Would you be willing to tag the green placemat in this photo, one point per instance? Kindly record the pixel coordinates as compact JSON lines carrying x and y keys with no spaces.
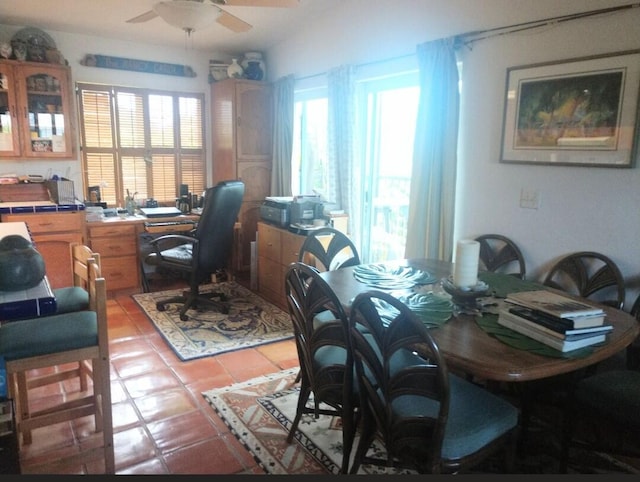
{"x":489,"y":323}
{"x":501,"y":285}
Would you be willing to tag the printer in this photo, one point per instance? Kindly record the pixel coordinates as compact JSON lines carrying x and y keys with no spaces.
{"x":297,"y":210}
{"x":276,"y":210}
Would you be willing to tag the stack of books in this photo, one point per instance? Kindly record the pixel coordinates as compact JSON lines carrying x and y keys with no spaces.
{"x":558,"y":321}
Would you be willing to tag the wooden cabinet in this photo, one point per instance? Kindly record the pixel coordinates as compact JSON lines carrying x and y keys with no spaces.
{"x":52,"y":234}
{"x":277,"y":248}
{"x":36,"y":111}
{"x":117,"y":244}
{"x":242,"y":138}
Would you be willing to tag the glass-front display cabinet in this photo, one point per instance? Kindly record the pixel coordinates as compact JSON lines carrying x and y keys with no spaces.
{"x":9,"y":134}
{"x":41,"y":125}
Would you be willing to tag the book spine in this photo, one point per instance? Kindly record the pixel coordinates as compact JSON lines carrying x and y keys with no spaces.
{"x":534,"y":324}
{"x":536,"y":335}
{"x":559,"y":325}
{"x":553,"y":342}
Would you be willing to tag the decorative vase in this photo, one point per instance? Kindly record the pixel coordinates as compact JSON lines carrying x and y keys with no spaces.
{"x":253,"y":65}
{"x":235,"y":70}
{"x":19,"y":50}
{"x":21,"y":266}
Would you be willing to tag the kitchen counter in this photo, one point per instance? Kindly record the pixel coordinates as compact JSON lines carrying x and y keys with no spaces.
{"x":27,"y":207}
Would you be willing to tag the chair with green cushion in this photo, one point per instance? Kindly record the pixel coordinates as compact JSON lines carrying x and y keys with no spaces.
{"x":427,"y":419}
{"x":37,"y":352}
{"x":607,"y":405}
{"x":325,"y":368}
{"x":76,"y":297}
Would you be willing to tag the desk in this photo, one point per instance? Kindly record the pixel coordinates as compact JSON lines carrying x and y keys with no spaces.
{"x":468,"y":348}
{"x":29,"y":303}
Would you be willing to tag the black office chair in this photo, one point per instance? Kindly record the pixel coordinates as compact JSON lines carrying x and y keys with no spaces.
{"x":207,"y":251}
{"x":500,"y":254}
{"x":427,"y":418}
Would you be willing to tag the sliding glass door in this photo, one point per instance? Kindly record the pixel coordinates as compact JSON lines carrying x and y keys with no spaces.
{"x":388,"y":108}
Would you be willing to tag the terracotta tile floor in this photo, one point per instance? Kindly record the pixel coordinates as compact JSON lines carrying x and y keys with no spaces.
{"x":162,"y":424}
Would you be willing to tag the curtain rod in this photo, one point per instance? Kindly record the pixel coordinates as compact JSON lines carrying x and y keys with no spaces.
{"x":519,"y":27}
{"x":469,"y":38}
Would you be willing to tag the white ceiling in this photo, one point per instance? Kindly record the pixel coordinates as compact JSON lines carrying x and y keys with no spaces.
{"x":107,"y":18}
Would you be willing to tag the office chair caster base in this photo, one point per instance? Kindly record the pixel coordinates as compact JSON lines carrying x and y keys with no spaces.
{"x":160,"y":307}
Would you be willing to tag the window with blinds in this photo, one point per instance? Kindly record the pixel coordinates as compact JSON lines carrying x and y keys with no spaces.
{"x":141,"y":141}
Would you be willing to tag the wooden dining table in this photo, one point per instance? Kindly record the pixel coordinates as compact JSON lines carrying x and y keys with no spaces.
{"x":469,"y":349}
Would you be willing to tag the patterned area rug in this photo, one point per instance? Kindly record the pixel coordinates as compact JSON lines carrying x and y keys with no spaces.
{"x":259,"y":413}
{"x":251,"y":321}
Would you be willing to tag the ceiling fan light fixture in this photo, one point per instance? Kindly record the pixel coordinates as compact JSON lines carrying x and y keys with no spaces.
{"x":187,"y":15}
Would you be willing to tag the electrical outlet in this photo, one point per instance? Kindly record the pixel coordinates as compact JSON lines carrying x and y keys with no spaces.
{"x":529,"y":198}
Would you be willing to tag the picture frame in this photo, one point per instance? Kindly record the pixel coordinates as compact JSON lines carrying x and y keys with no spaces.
{"x":576,"y":112}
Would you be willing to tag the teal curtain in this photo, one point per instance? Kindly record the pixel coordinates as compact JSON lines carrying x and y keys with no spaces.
{"x":282,"y":136}
{"x":343,"y":181}
{"x":433,"y":180}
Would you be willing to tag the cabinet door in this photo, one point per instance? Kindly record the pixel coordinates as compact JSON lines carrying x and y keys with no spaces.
{"x":253,"y":128}
{"x":46,"y":115}
{"x":257,"y":180}
{"x":9,"y":133}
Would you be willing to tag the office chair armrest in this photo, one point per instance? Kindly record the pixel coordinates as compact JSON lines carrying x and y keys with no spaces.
{"x":171,"y":241}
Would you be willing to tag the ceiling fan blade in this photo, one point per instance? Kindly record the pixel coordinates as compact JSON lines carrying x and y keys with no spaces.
{"x":258,"y":3}
{"x":143,"y":17}
{"x":233,"y":23}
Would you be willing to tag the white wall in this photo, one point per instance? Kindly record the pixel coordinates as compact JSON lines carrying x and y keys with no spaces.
{"x":581,"y":208}
{"x":75,"y":47}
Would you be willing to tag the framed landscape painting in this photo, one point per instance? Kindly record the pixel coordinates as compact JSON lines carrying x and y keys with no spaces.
{"x":579,"y":112}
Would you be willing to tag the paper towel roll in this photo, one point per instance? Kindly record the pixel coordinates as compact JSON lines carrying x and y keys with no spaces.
{"x":465,"y":268}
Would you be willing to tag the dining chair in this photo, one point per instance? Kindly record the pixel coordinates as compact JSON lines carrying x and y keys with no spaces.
{"x":606,"y":406}
{"x":427,"y":418}
{"x":33,"y":347}
{"x":633,"y":350}
{"x":326,"y":369}
{"x":328,"y":249}
{"x":499,"y":253}
{"x":588,"y":274}
{"x":76,"y":297}
{"x":205,"y":253}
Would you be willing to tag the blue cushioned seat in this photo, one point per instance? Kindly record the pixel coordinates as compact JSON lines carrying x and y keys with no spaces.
{"x":50,"y":334}
{"x":614,"y":394}
{"x":71,"y":298}
{"x":427,"y":419}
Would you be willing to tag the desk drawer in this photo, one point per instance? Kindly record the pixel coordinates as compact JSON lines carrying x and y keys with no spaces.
{"x":291,"y":244}
{"x":113,"y":230}
{"x":269,"y":242}
{"x":114,"y":246}
{"x":47,"y":223}
{"x":121,"y":272}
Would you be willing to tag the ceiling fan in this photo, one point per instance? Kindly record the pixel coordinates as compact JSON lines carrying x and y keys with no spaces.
{"x":190,"y":15}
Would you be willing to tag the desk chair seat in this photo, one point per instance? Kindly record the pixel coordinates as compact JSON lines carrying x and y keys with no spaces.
{"x":79,"y":338}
